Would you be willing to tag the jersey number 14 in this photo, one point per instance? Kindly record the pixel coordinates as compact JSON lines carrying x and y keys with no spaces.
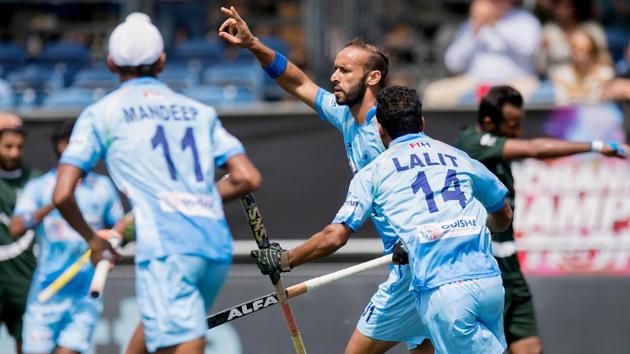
{"x":421,"y":182}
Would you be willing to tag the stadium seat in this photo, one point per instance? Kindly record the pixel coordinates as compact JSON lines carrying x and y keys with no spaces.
{"x":223,"y":96}
{"x":179,"y":77}
{"x":200,"y":51}
{"x":72,"y":98}
{"x":96,"y":77}
{"x":617,"y":41}
{"x":249,"y":75}
{"x":67,"y":58}
{"x":32,"y":83}
{"x":7,"y":98}
{"x":545,"y":94}
{"x":12,"y":57}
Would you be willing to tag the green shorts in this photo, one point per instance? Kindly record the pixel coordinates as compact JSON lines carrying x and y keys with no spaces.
{"x":519,"y":318}
{"x":12,"y":306}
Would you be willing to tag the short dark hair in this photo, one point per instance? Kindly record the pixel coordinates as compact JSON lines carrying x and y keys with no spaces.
{"x":17,"y":130}
{"x":399,"y":111}
{"x":492,"y":103}
{"x":148,"y":70}
{"x":378,"y":59}
{"x":63,"y":130}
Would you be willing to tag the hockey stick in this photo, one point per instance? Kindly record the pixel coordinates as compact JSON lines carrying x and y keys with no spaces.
{"x":102,"y":269}
{"x":260,"y":303}
{"x":260,"y":234}
{"x":64,"y":278}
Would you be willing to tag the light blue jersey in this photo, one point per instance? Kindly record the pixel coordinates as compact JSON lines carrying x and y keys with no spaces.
{"x":435,"y":198}
{"x":59,"y":244}
{"x":161,"y":149}
{"x":67,"y":319}
{"x":362,"y":142}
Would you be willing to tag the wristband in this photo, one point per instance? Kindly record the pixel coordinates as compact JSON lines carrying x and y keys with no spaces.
{"x":277,"y":67}
{"x":597,"y":146}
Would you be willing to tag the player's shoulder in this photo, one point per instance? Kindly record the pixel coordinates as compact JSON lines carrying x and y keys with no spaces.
{"x":40,"y":180}
{"x":469,"y":138}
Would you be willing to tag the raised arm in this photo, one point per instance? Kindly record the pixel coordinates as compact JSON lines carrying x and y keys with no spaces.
{"x":547,"y":148}
{"x":235,"y":31}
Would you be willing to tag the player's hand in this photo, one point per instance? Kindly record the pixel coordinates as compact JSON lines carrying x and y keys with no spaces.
{"x":616,"y":150}
{"x":101,"y":249}
{"x":482,"y":12}
{"x":272,"y":260}
{"x":399,"y":254}
{"x":234,"y":30}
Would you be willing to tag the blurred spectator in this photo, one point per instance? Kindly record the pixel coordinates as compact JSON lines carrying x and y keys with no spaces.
{"x":400,"y":42}
{"x":619,"y":88}
{"x":497,"y":45}
{"x":567,"y":17}
{"x":584,"y":79}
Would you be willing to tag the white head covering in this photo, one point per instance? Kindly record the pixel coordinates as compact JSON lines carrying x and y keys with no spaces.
{"x":136,"y":41}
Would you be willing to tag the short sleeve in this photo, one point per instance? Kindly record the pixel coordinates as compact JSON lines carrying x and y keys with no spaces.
{"x":358,"y":204}
{"x":29,"y":200}
{"x":85,"y":147}
{"x":225,"y":145}
{"x":328,"y":109}
{"x":485,"y":147}
{"x":487,"y":188}
{"x":114,"y":210}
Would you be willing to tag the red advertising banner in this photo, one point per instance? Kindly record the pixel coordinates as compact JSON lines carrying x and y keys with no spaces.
{"x":572,"y":215}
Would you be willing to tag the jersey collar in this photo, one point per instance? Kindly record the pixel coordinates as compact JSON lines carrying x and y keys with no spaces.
{"x":370,"y":114}
{"x":147,"y":80}
{"x":407,"y":137}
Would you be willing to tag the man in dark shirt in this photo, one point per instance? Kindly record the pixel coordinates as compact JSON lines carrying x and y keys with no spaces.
{"x":495,"y":143}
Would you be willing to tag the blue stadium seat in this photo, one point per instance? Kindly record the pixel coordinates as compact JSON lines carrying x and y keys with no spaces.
{"x":617,"y":41}
{"x":32,"y":83}
{"x":250,"y":75}
{"x":67,"y":58}
{"x":7,"y":98}
{"x":223,"y":96}
{"x":544,"y":94}
{"x":96,"y":77}
{"x":199,"y":50}
{"x":179,"y":77}
{"x":12,"y":57}
{"x":72,"y":98}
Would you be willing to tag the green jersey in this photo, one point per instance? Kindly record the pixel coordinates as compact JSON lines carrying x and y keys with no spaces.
{"x":488,"y":149}
{"x":17,"y":261}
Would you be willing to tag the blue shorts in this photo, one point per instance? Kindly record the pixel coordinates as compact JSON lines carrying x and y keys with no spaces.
{"x":465,"y":316}
{"x":391,"y":314}
{"x":61,"y":321}
{"x":174,"y":295}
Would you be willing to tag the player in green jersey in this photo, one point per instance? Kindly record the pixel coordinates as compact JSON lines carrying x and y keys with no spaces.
{"x":495,"y":142}
{"x":17,"y":261}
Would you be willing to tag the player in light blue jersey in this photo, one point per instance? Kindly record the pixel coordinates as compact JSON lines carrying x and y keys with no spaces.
{"x":443,"y":204}
{"x":360,"y":71}
{"x":64,"y":323}
{"x":161,"y":149}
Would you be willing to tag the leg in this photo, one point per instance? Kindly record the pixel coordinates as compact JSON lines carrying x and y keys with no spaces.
{"x":386,"y":320}
{"x":136,"y":343}
{"x":195,"y":346}
{"x":172,"y":294}
{"x":63,"y":350}
{"x":361,"y":344}
{"x":521,"y":329}
{"x":529,"y":345}
{"x":465,"y":316}
{"x":425,"y":348}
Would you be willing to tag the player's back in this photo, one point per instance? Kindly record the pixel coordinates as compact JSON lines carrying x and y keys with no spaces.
{"x":160,"y":150}
{"x":433,"y":196}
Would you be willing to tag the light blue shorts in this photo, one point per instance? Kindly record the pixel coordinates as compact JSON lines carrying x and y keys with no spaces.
{"x":61,"y":321}
{"x":391,"y":314}
{"x":174,"y":295}
{"x":465,"y":316}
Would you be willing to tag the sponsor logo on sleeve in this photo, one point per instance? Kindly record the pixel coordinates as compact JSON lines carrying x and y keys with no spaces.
{"x":488,"y":140}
